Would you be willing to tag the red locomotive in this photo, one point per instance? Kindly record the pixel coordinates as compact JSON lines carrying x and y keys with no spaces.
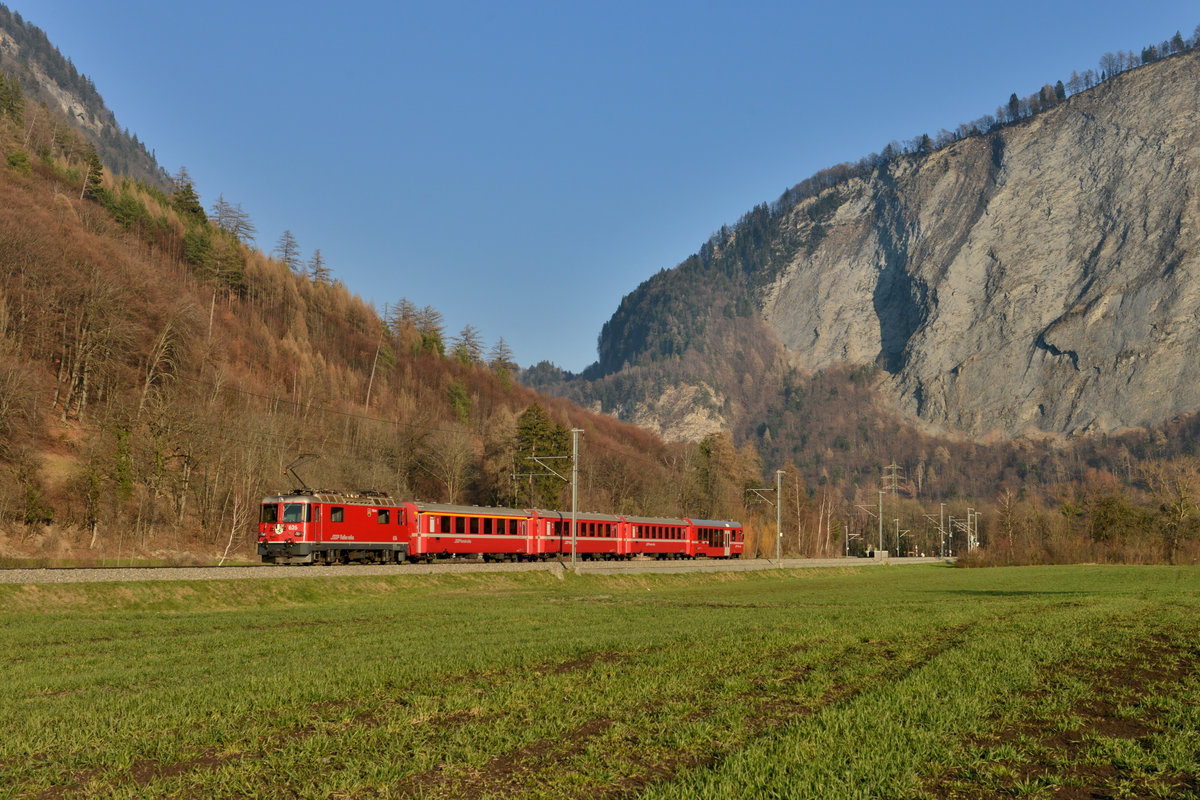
{"x":308,"y":527}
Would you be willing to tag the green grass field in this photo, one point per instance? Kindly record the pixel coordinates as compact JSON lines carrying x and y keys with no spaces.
{"x":889,"y":682}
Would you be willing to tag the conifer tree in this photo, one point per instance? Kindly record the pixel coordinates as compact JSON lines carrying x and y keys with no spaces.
{"x":429,"y":324}
{"x":317,"y":269}
{"x":241,"y":226}
{"x":501,"y":357}
{"x":287,"y":250}
{"x":221,"y":212}
{"x":401,"y":315}
{"x":12,"y":100}
{"x":94,"y":174}
{"x":467,"y":347}
{"x":539,"y":435}
{"x":185,"y":200}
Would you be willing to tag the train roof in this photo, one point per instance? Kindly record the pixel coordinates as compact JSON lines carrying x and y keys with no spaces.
{"x":584,"y":515}
{"x":657,"y":520}
{"x":364,"y":497}
{"x":715,"y":523}
{"x":487,"y":511}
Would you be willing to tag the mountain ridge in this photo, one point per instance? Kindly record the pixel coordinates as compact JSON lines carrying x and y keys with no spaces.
{"x":1003,"y":284}
{"x":47,"y":76}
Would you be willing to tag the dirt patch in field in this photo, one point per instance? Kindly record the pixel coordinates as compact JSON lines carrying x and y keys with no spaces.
{"x":148,"y":770}
{"x":77,"y":788}
{"x":142,"y":773}
{"x":1053,"y":756}
{"x":308,"y":623}
{"x":505,"y":774}
{"x":586,"y":662}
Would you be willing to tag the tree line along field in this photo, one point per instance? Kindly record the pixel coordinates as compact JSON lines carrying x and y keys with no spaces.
{"x":923,"y":681}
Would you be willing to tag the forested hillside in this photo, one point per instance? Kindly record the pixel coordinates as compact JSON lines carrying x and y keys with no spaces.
{"x":158,"y":373}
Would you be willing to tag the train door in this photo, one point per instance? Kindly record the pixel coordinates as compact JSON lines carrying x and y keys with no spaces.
{"x":417,"y":545}
{"x":728,"y":542}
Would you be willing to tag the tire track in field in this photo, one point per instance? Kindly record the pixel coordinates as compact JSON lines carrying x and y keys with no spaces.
{"x":521,"y":770}
{"x":1046,"y":758}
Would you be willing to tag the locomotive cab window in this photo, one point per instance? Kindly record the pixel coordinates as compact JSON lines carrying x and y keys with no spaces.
{"x":297,"y":512}
{"x":337,"y":514}
{"x":270,"y":513}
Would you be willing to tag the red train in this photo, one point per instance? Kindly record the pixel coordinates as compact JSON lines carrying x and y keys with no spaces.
{"x":340,"y":527}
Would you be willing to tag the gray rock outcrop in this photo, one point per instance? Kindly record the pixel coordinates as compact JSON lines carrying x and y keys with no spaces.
{"x":1045,"y":277}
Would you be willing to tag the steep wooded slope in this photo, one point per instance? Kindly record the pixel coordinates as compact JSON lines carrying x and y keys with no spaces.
{"x":157,"y":374}
{"x":48,"y":77}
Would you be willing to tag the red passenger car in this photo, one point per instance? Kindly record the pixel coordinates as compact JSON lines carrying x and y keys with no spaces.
{"x":717,"y":538}
{"x":659,"y":537}
{"x":447,"y":530}
{"x":596,"y":535}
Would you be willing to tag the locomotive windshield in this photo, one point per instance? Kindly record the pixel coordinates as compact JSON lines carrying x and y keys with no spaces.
{"x":270,"y":513}
{"x":297,"y":512}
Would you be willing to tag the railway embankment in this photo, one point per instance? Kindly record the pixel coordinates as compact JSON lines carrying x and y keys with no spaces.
{"x":635,"y":566}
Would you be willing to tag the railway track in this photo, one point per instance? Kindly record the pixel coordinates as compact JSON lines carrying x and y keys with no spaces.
{"x":256,"y":571}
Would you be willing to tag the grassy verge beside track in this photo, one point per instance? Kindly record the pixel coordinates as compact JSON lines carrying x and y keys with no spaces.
{"x":922,"y":681}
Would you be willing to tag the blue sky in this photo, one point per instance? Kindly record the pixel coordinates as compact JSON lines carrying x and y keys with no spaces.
{"x":521,"y":166}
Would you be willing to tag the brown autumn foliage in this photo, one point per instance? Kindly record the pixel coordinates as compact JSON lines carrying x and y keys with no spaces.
{"x":157,"y":376}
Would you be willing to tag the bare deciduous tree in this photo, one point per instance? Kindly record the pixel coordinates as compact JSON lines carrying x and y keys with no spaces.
{"x":450,"y":457}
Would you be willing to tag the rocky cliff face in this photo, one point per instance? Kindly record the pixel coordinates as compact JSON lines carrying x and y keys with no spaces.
{"x":1043,"y":278}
